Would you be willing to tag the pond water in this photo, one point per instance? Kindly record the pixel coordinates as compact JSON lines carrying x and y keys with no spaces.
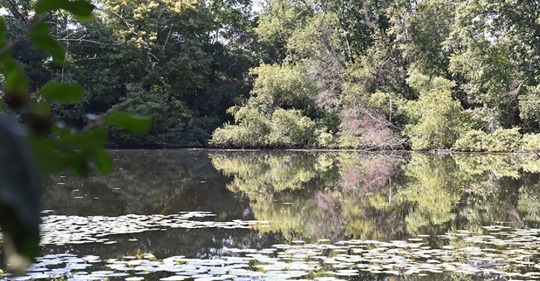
{"x":282,"y":215}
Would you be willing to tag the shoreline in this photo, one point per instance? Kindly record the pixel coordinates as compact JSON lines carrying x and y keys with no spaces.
{"x":375,"y":151}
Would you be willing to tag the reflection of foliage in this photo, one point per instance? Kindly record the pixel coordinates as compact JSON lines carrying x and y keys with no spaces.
{"x":269,"y":171}
{"x":298,"y":191}
{"x":169,"y":181}
{"x":528,"y":203}
{"x":371,"y":196}
{"x":365,"y":175}
{"x":434,"y":189}
{"x":270,"y":182}
{"x":498,"y":165}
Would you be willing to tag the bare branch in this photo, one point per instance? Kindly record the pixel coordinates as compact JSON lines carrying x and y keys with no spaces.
{"x":168,"y":36}
{"x":16,"y":10}
{"x":86,"y":41}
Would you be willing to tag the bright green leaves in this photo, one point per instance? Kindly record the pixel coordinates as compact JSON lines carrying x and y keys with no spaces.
{"x":16,"y":80}
{"x":78,"y":151}
{"x":81,"y":9}
{"x":62,"y":93}
{"x":73,"y":150}
{"x":54,"y":148}
{"x":16,"y":83}
{"x":96,"y":138}
{"x":42,"y":39}
{"x":20,"y":208}
{"x":436,"y":119}
{"x":131,"y":123}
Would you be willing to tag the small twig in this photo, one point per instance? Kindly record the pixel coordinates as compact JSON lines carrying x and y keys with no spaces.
{"x":151,"y":55}
{"x":130,"y":26}
{"x":168,"y":36}
{"x":86,"y":40}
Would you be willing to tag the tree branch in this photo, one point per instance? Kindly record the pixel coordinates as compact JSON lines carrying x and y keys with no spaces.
{"x":16,"y":10}
{"x":86,"y":41}
{"x":168,"y":36}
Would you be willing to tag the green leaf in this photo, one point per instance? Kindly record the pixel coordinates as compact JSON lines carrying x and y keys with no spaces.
{"x":47,"y":154}
{"x":20,"y":208}
{"x":41,"y":38}
{"x":132,"y":123}
{"x":77,"y":163}
{"x":45,"y":6}
{"x":62,"y":93}
{"x":81,"y":9}
{"x":91,"y":140}
{"x":103,"y":160}
{"x":16,"y":80}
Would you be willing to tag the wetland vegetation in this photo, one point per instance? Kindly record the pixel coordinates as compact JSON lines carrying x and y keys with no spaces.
{"x":278,"y":215}
{"x":77,"y":76}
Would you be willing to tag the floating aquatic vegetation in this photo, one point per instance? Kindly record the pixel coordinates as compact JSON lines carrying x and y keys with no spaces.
{"x":500,"y":253}
{"x":62,"y":230}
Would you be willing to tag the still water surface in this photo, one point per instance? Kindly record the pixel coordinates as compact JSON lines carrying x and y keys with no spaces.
{"x":251,"y":215}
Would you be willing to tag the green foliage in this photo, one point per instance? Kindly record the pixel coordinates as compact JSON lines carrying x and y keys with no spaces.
{"x":325,"y":139}
{"x":42,"y":39}
{"x":417,"y":41}
{"x":502,"y":140}
{"x":437,"y":120}
{"x":19,"y":201}
{"x":167,"y":117}
{"x":291,"y":129}
{"x":495,"y":52}
{"x":252,"y":130}
{"x":54,"y":146}
{"x":473,"y":140}
{"x":133,"y":124}
{"x":350,"y":66}
{"x":422,"y":84}
{"x":528,"y":107}
{"x":285,"y":128}
{"x":286,"y":86}
{"x":530,"y":142}
{"x":79,"y":8}
{"x":505,"y":140}
{"x":62,"y":93}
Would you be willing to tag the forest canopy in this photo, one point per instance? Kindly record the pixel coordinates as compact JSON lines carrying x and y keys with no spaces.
{"x":355,"y":74}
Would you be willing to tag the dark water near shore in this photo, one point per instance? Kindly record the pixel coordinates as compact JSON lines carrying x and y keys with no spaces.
{"x":277,"y":215}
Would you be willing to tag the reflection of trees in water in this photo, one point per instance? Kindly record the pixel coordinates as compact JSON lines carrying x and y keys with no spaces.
{"x":372,"y":196}
{"x":146,"y":182}
{"x":314,"y":195}
{"x":365,"y":175}
{"x":433,"y":187}
{"x":301,"y":192}
{"x":195,"y":243}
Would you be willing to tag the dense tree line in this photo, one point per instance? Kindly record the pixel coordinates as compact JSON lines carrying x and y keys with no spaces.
{"x":303,"y":73}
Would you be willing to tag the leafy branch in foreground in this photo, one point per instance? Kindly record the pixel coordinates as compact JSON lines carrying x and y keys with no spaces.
{"x":52,"y":145}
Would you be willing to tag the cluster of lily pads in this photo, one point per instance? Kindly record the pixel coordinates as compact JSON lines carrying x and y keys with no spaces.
{"x":500,"y":253}
{"x":62,"y":229}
